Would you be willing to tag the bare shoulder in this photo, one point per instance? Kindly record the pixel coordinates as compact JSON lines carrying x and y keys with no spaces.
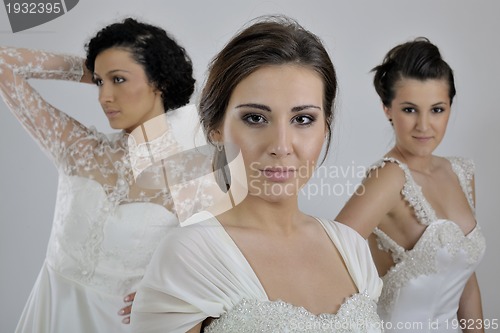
{"x":388,"y":174}
{"x":375,"y":198}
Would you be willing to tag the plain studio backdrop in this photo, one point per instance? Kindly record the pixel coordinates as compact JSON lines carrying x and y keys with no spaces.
{"x":356,"y":33}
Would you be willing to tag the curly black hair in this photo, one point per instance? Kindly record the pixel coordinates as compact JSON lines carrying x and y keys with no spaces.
{"x":166,"y":64}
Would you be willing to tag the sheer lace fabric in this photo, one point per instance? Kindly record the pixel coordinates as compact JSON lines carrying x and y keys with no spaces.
{"x":426,"y":282}
{"x":106,"y":224}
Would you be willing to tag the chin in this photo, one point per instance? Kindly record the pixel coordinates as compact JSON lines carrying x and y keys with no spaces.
{"x":274,"y":199}
{"x":276,"y":192}
{"x":115,"y":126}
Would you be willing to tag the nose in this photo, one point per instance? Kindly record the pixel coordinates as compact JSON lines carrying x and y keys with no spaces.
{"x":281,"y":142}
{"x":422,"y":121}
{"x":105,"y":93}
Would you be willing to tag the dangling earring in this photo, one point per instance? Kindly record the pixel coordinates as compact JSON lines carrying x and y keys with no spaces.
{"x":221,"y":168}
{"x":390,"y":120}
{"x":220,"y":146}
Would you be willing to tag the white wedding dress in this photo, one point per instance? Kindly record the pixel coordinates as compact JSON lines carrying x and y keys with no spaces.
{"x":199,"y":272}
{"x":105,"y":226}
{"x":422,"y":290}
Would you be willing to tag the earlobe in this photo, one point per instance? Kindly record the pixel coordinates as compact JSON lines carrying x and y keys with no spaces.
{"x":216,"y":136}
{"x":388,"y":112}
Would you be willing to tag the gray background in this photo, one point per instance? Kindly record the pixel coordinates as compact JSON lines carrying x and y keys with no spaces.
{"x":357,"y":33}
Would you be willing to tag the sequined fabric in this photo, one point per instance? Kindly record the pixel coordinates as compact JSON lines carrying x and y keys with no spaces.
{"x":213,"y":279}
{"x":356,"y":314}
{"x":443,"y":254}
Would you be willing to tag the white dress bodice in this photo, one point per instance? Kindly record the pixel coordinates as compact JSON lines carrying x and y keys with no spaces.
{"x":423,"y":288}
{"x":99,"y":244}
{"x":106,"y":225}
{"x":356,"y":314}
{"x":213,"y":279}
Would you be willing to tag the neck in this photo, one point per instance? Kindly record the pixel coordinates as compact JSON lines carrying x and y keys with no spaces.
{"x":151,"y":129}
{"x":254,"y":212}
{"x":423,"y":164}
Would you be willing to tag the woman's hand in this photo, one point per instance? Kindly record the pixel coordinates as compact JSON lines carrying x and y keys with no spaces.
{"x":126,"y":310}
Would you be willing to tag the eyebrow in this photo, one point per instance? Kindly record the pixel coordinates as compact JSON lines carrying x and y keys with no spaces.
{"x":412,"y":104}
{"x":113,"y":71}
{"x":268,"y":109}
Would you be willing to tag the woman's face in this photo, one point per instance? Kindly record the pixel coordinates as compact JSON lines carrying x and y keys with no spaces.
{"x":275,"y":117}
{"x":125,"y":94}
{"x":419,"y":112}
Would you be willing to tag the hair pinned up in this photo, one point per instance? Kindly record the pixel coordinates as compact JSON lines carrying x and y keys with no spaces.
{"x":418,"y":59}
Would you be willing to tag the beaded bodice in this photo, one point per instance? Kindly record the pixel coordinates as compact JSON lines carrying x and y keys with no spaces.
{"x":442,"y":251}
{"x":356,"y":314}
{"x":213,"y":279}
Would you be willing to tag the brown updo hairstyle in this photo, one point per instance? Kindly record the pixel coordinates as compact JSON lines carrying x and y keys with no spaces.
{"x":418,"y":59}
{"x":269,"y":40}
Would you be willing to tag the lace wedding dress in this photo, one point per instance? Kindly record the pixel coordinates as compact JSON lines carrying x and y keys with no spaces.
{"x":422,"y":290}
{"x":105,"y":226}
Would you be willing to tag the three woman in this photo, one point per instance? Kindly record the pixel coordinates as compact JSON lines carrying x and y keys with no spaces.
{"x":269,"y":93}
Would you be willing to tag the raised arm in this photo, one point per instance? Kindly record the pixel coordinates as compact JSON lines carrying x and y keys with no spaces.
{"x":51,"y":128}
{"x":375,"y":197}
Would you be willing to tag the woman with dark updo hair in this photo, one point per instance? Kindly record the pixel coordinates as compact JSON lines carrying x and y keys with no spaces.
{"x":106,"y":225}
{"x":263,"y":265}
{"x":417,"y":208}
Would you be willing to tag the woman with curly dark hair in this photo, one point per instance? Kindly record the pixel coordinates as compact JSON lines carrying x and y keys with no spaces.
{"x":106,"y":225}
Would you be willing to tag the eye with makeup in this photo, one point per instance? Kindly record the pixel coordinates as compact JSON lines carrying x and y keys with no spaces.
{"x":438,"y":110}
{"x":97,"y":81}
{"x":118,"y":79}
{"x":409,"y":110}
{"x":304,"y":120}
{"x":254,"y":119}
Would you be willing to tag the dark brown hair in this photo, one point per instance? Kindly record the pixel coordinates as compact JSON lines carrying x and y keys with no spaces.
{"x":271,"y":40}
{"x":166,"y":63}
{"x":418,"y":59}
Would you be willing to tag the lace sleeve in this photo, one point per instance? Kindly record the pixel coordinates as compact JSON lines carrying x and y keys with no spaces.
{"x":51,"y":128}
